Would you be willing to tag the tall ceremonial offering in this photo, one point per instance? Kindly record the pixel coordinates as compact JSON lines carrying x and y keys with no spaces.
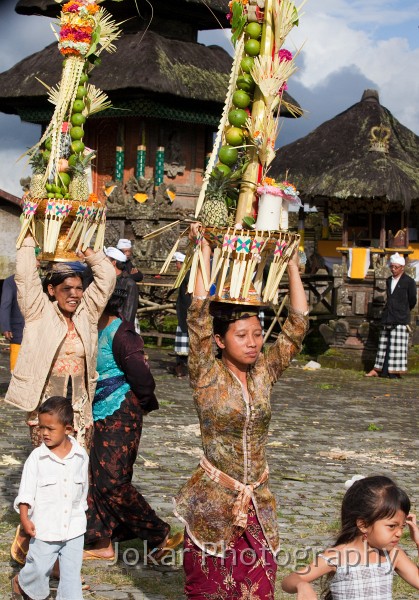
{"x":244,"y":212}
{"x":59,"y":208}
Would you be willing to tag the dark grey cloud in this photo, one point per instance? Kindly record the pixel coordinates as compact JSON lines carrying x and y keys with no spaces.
{"x":336,"y":93}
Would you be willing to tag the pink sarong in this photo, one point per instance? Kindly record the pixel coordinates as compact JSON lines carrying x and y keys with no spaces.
{"x":248,"y":569}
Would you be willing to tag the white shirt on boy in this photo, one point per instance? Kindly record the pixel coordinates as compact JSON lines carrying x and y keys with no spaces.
{"x":56,"y":491}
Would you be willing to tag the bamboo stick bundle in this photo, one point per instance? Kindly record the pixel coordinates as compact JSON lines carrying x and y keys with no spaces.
{"x":28,"y":211}
{"x":283,"y":265}
{"x":216,"y":258}
{"x":62,"y":210}
{"x":198,"y":259}
{"x":89,"y":213}
{"x":222,"y":254}
{"x":239,"y":265}
{"x":256,"y":249}
{"x":100,"y":235}
{"x":229,"y":245}
{"x":76,"y":227}
{"x":280,"y":247}
{"x":284,"y":248}
{"x":94,"y":225}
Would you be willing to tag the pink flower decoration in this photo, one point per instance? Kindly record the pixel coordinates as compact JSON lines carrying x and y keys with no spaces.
{"x":285,"y":55}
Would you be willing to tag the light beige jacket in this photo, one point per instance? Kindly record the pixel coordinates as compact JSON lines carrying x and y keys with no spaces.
{"x":46,"y":328}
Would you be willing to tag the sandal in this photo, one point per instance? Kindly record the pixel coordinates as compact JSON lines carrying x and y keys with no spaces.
{"x":158,"y":561}
{"x":174,"y":541}
{"x":92,"y":555}
{"x":17,"y":552}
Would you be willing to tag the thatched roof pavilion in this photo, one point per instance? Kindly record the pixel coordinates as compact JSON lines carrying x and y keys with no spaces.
{"x":362,"y":160}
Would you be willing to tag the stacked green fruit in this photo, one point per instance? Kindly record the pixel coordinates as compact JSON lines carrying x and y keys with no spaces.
{"x":236,"y":132}
{"x":77,"y":118}
{"x":71,"y":145}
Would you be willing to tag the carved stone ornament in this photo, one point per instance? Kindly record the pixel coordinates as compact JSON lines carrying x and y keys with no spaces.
{"x":174,"y":163}
{"x":380,"y":139}
{"x":139,"y":187}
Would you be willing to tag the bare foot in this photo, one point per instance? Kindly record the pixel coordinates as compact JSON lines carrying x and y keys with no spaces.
{"x":372,"y":373}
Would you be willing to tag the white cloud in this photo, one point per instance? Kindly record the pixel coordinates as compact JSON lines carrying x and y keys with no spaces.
{"x":331,"y":45}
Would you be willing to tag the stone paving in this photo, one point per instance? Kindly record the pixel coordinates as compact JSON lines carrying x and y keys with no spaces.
{"x":327,"y":425}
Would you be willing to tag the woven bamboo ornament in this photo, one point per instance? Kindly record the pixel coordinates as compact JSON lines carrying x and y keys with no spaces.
{"x":55,"y":213}
{"x":221,"y":252}
{"x":197,"y":259}
{"x":29,"y":209}
{"x":75,"y":230}
{"x":245,"y":147}
{"x":95,"y":219}
{"x":63,"y":213}
{"x":100,"y":233}
{"x":255,"y":259}
{"x":284,"y":249}
{"x":229,"y":244}
{"x":238,"y":271}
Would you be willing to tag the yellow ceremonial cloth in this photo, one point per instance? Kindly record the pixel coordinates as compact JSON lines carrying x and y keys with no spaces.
{"x":14,"y":351}
{"x":359,"y":262}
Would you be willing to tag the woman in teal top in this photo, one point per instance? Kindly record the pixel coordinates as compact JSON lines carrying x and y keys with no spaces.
{"x":124,"y":393}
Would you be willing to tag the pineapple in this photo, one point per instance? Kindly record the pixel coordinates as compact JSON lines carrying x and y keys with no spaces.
{"x":37,"y":188}
{"x":79,"y":184}
{"x":214,"y":212}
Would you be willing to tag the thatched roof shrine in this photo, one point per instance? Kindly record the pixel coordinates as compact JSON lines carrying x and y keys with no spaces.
{"x":362,"y":160}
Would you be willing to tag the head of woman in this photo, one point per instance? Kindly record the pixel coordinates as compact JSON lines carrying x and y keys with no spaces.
{"x":65,"y":285}
{"x":237,"y":333}
{"x":115,"y":303}
{"x":367,"y":501}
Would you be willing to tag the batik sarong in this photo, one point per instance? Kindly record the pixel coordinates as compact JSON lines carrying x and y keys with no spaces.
{"x":247,"y":572}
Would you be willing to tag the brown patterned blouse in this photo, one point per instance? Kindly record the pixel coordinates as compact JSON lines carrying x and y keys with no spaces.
{"x":234,"y":430}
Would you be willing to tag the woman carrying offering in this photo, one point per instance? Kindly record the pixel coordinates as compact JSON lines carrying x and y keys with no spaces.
{"x":59,"y":346}
{"x":229,"y":512}
{"x":125,"y":393}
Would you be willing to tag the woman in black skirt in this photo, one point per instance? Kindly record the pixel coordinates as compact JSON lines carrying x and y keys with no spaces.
{"x":124,"y":393}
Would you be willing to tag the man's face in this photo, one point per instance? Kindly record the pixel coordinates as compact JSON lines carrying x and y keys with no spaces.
{"x":396,"y":270}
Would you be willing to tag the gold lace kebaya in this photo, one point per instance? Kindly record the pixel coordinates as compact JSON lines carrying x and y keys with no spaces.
{"x":234,"y":430}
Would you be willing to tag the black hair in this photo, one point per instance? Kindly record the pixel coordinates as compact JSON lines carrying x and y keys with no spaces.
{"x":55,"y":279}
{"x":369,"y":499}
{"x":116,"y":302}
{"x":120,"y":265}
{"x":59,"y":406}
{"x":221,"y":326}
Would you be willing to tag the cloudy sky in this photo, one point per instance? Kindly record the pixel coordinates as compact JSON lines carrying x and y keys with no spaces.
{"x":349,"y":46}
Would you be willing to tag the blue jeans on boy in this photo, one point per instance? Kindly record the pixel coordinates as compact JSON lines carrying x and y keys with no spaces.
{"x":34,"y":577}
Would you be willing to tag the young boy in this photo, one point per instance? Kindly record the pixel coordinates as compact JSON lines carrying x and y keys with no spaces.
{"x":52,"y":504}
